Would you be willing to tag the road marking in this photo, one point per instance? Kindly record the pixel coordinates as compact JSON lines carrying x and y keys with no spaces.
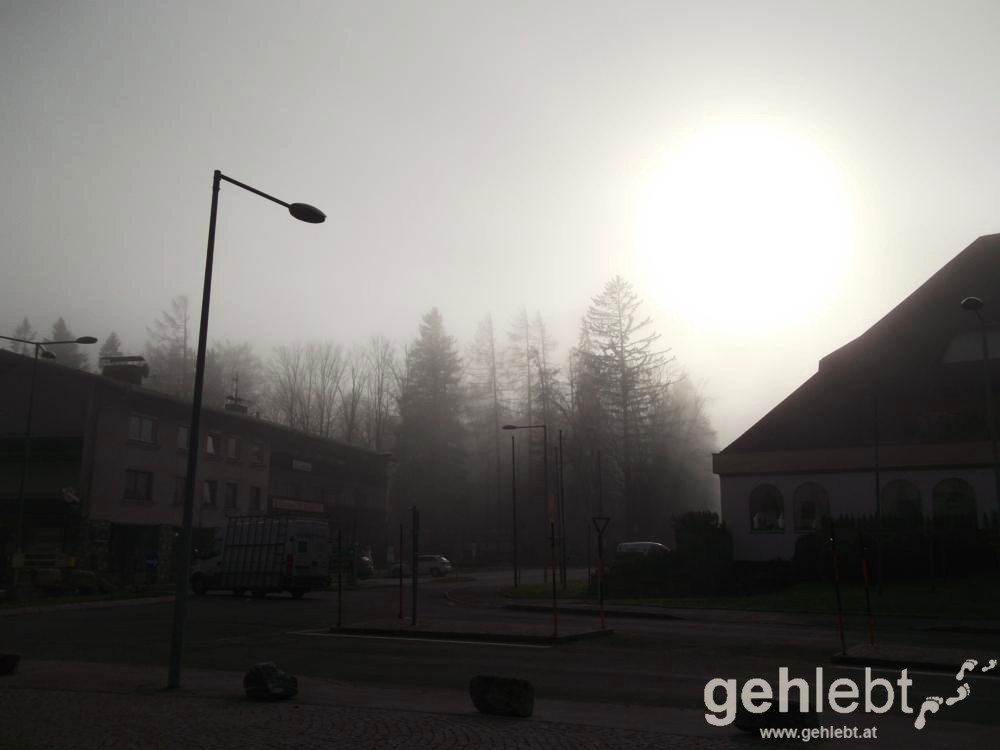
{"x":422,"y":640}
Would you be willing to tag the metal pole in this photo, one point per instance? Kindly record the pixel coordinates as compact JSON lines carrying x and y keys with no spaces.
{"x":545,"y":488}
{"x":868,"y":598}
{"x":600,"y":573}
{"x":194,"y":443}
{"x":562,"y":511}
{"x":399,"y":556}
{"x":340,"y":577}
{"x":836,"y":587}
{"x":19,"y":530}
{"x":416,"y":532}
{"x":513,"y":505}
{"x":989,"y":411}
{"x":555,"y":606}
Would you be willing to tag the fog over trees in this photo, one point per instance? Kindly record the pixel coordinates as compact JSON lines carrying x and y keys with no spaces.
{"x":636,"y":441}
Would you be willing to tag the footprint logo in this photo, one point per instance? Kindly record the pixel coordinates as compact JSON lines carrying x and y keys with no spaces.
{"x":963,"y":693}
{"x":932,"y":704}
{"x":967,"y":665}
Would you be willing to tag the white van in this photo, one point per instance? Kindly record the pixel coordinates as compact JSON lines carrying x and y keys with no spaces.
{"x":265,"y":554}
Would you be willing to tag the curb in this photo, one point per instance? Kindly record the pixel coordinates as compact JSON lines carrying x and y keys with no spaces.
{"x":11,"y":611}
{"x":595,"y":611}
{"x":445,"y":635}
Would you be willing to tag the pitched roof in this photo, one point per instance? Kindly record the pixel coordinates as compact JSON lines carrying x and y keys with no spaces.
{"x":900,"y":356}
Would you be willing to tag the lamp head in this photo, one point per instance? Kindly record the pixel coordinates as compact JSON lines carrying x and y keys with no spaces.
{"x":305,"y":212}
{"x":973,"y":304}
{"x":46,"y":354}
{"x":86,"y":340}
{"x":509,"y":427}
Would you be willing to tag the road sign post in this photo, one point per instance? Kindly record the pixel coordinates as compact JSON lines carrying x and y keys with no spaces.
{"x":600,"y":524}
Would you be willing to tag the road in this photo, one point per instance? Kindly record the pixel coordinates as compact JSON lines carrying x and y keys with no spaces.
{"x":647,"y":662}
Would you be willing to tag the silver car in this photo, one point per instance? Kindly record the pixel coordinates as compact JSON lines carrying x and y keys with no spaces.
{"x":435,"y":565}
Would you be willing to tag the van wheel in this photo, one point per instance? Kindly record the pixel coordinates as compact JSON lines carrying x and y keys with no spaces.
{"x":298,"y":593}
{"x":198,"y":585}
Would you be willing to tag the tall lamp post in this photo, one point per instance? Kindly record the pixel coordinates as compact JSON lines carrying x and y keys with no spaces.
{"x":545,"y":461}
{"x":974,"y":305}
{"x":302,"y":212}
{"x":513,"y":506}
{"x":26,"y":458}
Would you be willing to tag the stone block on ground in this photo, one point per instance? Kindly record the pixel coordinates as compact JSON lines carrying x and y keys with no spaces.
{"x":774,"y":719}
{"x":502,"y":696}
{"x":264,"y":681}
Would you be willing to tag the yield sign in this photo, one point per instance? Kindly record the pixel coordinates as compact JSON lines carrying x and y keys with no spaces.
{"x":600,"y":523}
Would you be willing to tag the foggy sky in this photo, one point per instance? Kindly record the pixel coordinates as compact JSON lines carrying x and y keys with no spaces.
{"x":479,"y":157}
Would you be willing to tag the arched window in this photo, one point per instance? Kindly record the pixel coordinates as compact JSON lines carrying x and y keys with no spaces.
{"x":901,"y":505}
{"x":811,"y":506}
{"x":767,"y":508}
{"x":954,"y":504}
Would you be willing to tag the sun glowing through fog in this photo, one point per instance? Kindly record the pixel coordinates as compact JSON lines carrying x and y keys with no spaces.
{"x":744,"y":227}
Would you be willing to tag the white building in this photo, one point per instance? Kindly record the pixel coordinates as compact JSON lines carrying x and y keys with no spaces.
{"x":901,"y":408}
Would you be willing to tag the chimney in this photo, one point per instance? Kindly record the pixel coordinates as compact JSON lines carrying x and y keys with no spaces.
{"x":129,"y":370}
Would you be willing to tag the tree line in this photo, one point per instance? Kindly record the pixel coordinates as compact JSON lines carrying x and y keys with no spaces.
{"x":628,"y":435}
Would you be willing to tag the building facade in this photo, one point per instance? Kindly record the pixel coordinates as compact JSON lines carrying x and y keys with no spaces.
{"x":892,"y":428}
{"x":104,"y":479}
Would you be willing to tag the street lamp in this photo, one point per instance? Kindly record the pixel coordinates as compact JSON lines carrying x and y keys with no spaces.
{"x":974,"y":305}
{"x":545,"y":461}
{"x":40,"y":350}
{"x":302,"y":212}
{"x":513,"y":505}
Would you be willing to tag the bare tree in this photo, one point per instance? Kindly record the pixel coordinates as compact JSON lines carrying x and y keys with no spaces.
{"x":168,"y":350}
{"x":381,"y":362}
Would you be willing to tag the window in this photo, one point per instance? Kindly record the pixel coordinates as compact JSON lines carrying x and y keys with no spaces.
{"x":232,"y":448}
{"x":254,"y":499}
{"x":142,"y":429}
{"x":954,"y":504}
{"x":258,"y":453}
{"x":767,"y":509}
{"x":138,"y":486}
{"x":811,"y":506}
{"x":210,"y":492}
{"x":232,"y":492}
{"x":178,"y":490}
{"x":212,"y":444}
{"x":183,"y":437}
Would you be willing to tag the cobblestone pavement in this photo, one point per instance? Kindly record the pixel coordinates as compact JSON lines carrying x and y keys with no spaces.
{"x":38,"y":719}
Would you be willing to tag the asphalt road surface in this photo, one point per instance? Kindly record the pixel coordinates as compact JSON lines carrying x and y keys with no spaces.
{"x":647,"y":662}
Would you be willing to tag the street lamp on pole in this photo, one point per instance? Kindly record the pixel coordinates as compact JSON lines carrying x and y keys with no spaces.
{"x":545,"y":461}
{"x":40,"y":350}
{"x":302,"y":212}
{"x":974,"y":305}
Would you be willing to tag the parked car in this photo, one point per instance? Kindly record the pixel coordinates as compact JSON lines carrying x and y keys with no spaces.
{"x":366,"y":568}
{"x":435,"y":565}
{"x":642,"y":549}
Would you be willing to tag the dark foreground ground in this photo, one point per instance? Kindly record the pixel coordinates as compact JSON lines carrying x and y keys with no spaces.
{"x":93,"y":676}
